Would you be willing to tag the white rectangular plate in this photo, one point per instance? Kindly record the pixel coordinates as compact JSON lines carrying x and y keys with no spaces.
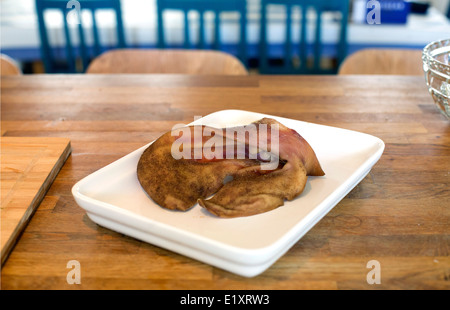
{"x":247,"y":246}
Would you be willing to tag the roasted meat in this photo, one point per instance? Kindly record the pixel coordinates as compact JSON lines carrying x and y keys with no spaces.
{"x":245,"y":174}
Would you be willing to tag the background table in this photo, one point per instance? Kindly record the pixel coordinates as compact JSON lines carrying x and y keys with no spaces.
{"x":398,"y":215}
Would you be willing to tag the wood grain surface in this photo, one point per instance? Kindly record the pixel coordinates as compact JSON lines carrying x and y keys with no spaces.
{"x":384,"y":61}
{"x":28,"y":168}
{"x":199,"y":62}
{"x":398,"y":215}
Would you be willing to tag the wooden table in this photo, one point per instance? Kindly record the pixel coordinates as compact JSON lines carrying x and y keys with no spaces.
{"x":398,"y":215}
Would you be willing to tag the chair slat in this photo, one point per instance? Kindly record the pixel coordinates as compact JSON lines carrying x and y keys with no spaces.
{"x":317,"y":45}
{"x":83,"y":47}
{"x":187,"y":39}
{"x":201,"y":30}
{"x":242,"y":53}
{"x":217,"y":38}
{"x":263,"y":66}
{"x":46,"y":53}
{"x":303,"y":38}
{"x":69,"y":48}
{"x":288,"y":41}
{"x":96,"y":37}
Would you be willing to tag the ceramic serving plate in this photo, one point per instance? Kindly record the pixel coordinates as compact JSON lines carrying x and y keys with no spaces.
{"x":247,"y":246}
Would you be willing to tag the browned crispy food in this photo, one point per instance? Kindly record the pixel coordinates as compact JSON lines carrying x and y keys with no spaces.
{"x":240,"y":186}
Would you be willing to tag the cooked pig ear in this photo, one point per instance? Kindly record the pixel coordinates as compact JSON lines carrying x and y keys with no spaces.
{"x":308,"y":157}
{"x":243,"y":206}
{"x":292,"y":145}
{"x":178,"y":183}
{"x":253,"y":193}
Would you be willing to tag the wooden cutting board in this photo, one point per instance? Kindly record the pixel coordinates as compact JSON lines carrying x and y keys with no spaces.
{"x":28,"y":168}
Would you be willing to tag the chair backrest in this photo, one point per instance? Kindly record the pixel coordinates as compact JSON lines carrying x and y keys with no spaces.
{"x":84,"y":53}
{"x":167,"y":61}
{"x":298,"y":60}
{"x":383,"y":61}
{"x":8,"y":66}
{"x":202,"y":6}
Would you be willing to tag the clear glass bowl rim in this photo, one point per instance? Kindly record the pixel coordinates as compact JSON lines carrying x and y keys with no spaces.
{"x":427,"y":50}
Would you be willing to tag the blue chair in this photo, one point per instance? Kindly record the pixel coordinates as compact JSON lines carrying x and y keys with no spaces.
{"x":298,"y":61}
{"x":202,"y":6}
{"x":70,"y":62}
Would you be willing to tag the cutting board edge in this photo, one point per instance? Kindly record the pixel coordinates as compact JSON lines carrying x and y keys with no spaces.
{"x":15,"y":236}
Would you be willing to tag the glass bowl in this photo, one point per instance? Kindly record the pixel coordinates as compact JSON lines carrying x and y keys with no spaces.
{"x":436,"y":66}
